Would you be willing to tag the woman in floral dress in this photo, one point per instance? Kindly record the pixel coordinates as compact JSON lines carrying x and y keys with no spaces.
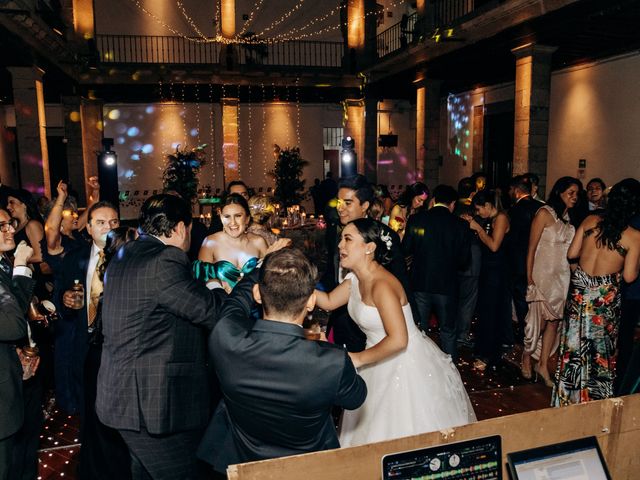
{"x":608,"y":250}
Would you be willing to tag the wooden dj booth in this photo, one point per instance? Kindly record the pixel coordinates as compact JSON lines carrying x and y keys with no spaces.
{"x":615,"y":422}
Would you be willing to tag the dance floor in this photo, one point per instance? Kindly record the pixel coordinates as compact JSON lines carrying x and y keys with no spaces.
{"x":493,"y":394}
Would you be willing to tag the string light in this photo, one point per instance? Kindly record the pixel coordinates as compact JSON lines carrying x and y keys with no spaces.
{"x":197,"y":94}
{"x":214,"y":166}
{"x":184,"y":116}
{"x":239,"y":137}
{"x":163,"y":130}
{"x":223,"y":95}
{"x":190,"y":20}
{"x":264,"y":130}
{"x":287,"y":105}
{"x":283,"y":37}
{"x":250,"y":139}
{"x":275,"y":23}
{"x":298,"y":111}
{"x":250,"y":19}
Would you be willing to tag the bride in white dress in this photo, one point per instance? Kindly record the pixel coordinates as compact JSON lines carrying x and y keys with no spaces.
{"x":413,"y":387}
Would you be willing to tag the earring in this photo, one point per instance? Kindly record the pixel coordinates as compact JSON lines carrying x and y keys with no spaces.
{"x":367,"y":253}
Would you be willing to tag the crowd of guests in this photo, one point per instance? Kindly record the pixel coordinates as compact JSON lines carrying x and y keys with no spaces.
{"x":181,"y":345}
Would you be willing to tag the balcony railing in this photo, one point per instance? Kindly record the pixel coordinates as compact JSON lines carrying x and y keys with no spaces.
{"x":443,"y":12}
{"x":147,"y":49}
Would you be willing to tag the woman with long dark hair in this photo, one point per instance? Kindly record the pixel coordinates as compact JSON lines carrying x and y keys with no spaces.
{"x":608,"y":250}
{"x":413,"y":387}
{"x":493,"y":307}
{"x":548,"y":276}
{"x":411,"y":200}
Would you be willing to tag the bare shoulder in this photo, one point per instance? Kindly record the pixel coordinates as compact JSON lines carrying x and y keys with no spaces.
{"x":591,"y":221}
{"x":257,"y":241}
{"x":386,"y":287}
{"x":33,"y":226}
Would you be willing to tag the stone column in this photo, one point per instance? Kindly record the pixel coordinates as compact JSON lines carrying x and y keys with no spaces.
{"x":230,"y":139}
{"x":354,"y":128}
{"x":370,"y":150}
{"x":533,"y":84}
{"x":73,"y":135}
{"x":428,"y":131}
{"x":31,"y":128}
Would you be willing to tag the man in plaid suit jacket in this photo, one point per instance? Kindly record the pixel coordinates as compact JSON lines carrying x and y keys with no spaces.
{"x":152,"y":384}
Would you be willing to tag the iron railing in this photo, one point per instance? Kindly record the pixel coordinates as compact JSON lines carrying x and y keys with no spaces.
{"x":179,"y":50}
{"x":397,"y":36}
{"x":443,"y":12}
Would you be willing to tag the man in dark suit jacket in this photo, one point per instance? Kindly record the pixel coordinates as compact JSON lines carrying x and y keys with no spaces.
{"x":355,"y":195}
{"x":438,"y":243}
{"x":517,"y":243}
{"x":152,"y":384}
{"x":15,"y":295}
{"x":278,"y":387}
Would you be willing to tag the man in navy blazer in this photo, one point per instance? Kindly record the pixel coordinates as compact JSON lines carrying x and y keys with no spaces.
{"x":278,"y":387}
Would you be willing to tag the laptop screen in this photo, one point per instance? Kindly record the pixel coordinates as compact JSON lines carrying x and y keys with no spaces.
{"x":477,"y":459}
{"x":575,"y":460}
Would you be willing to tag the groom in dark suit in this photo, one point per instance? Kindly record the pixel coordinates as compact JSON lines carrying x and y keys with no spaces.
{"x":278,"y":387}
{"x":153,"y":384}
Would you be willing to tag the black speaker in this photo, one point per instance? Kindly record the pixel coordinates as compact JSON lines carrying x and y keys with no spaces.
{"x":388,"y":141}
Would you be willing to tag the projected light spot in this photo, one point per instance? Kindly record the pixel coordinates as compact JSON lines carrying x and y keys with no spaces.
{"x":194,"y":132}
{"x":175,"y":145}
{"x":120,"y":140}
{"x":133,"y":131}
{"x":114,"y":114}
{"x":136,"y":146}
{"x":129,"y":174}
{"x":121,"y":129}
{"x":135,"y":157}
{"x":148,"y":148}
{"x":74,"y":116}
{"x":149,"y":109}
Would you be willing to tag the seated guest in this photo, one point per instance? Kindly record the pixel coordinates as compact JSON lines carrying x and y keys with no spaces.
{"x":278,"y":387}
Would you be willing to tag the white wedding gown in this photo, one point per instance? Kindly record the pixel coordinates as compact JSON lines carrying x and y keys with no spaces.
{"x":414,"y":391}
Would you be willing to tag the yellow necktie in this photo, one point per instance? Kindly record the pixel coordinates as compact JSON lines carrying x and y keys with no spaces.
{"x":95,"y":292}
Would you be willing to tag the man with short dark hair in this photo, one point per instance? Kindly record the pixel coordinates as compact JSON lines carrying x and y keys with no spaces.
{"x":355,"y":196}
{"x":595,"y":195}
{"x":438,"y":243}
{"x":153,"y":385}
{"x":278,"y":387}
{"x":239,"y":187}
{"x":521,"y":215}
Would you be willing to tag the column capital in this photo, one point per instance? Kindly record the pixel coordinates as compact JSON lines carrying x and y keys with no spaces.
{"x":26,"y":73}
{"x":531,"y":49}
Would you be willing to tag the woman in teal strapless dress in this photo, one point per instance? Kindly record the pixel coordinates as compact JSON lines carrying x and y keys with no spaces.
{"x":226,"y":256}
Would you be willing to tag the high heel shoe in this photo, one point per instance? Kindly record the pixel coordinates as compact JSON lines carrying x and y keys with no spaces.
{"x":544,"y":374}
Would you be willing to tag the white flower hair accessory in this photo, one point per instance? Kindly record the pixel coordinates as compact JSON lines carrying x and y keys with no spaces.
{"x":386,"y":238}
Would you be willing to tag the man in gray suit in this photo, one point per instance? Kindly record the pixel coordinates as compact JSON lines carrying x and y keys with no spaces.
{"x":152,"y":384}
{"x":15,"y":293}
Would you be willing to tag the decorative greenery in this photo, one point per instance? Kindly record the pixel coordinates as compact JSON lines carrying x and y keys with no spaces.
{"x":181,"y":171}
{"x":287,"y":172}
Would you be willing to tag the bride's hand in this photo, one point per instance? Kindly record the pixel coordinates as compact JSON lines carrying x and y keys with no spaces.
{"x":278,"y":245}
{"x":355,"y":358}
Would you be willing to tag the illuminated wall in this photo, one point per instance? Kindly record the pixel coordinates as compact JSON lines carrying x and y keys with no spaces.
{"x":594,"y":115}
{"x":355,"y":28}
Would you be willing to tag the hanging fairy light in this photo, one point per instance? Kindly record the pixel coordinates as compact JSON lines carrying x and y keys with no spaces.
{"x":275,"y":23}
{"x":197,"y":95}
{"x":239,"y":136}
{"x":212,"y":138}
{"x":185,"y":134}
{"x":190,"y":20}
{"x":298,"y":112}
{"x":250,"y":136}
{"x":246,"y":25}
{"x":264,"y":130}
{"x":163,"y":135}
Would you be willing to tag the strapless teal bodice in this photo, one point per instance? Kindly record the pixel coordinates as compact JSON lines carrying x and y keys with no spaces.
{"x":223,"y":270}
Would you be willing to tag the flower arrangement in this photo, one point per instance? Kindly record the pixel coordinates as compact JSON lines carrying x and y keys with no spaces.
{"x":181,"y":171}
